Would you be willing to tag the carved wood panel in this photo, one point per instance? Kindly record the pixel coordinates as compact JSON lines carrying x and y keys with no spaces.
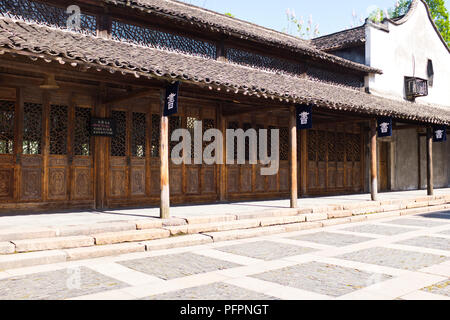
{"x":246,"y":178}
{"x":82,"y":184}
{"x":208,"y":180}
{"x":192,"y":180}
{"x":31,"y":184}
{"x":138,"y":181}
{"x":57,"y":180}
{"x":118,"y":182}
{"x":6,"y":183}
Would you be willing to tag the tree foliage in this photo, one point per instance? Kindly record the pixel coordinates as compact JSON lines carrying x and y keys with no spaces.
{"x":438,"y":11}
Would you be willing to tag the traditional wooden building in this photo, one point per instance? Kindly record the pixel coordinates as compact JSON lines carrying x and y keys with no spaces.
{"x":56,"y":75}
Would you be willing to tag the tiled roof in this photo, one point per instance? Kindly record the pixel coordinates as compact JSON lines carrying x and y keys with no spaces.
{"x":340,"y":40}
{"x":55,"y":44}
{"x":228,"y":25}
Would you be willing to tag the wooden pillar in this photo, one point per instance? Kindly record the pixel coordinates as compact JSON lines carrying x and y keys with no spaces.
{"x":373,"y":160}
{"x":293,"y":156}
{"x":303,"y":162}
{"x":430,"y":182}
{"x":164,"y":161}
{"x":223,"y":167}
{"x":100,"y":153}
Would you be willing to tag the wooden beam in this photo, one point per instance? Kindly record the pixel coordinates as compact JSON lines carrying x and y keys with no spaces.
{"x":293,"y":156}
{"x":373,"y":160}
{"x":303,"y":162}
{"x":100,"y":154}
{"x":131,"y":96}
{"x":430,"y":180}
{"x":164,"y":159}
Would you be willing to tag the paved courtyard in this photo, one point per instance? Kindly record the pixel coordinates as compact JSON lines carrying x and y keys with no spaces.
{"x":392,"y":258}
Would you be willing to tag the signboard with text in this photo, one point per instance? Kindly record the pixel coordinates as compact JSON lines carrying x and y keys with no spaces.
{"x":103,"y":127}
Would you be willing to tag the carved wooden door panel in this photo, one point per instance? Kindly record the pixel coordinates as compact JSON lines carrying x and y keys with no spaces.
{"x":81,"y":158}
{"x":7,"y":147}
{"x":139,"y":150}
{"x":31,"y":159}
{"x":119,"y":158}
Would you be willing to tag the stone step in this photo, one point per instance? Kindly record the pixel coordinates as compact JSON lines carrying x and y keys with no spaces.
{"x":22,"y":233}
{"x":42,"y":244}
{"x":122,"y":242}
{"x":130,"y":236}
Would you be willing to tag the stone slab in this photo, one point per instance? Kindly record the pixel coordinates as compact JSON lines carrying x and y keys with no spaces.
{"x":210,"y":219}
{"x":21,"y":260}
{"x":177,"y":242}
{"x":177,"y":230}
{"x":130,"y":236}
{"x":339,"y":214}
{"x":148,"y":224}
{"x":26,"y":233}
{"x":244,"y":234}
{"x":87,"y":230}
{"x":316,"y":217}
{"x":174,"y":222}
{"x":302,"y":226}
{"x":7,"y":247}
{"x":103,"y":251}
{"x":53,"y":243}
{"x":265,"y":222}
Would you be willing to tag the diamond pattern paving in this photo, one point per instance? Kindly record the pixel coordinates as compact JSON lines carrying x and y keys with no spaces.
{"x":177,"y":265}
{"x":216,"y":291}
{"x":424,"y":223}
{"x":442,"y":288}
{"x":56,"y":285}
{"x":266,"y":250}
{"x":378,"y":229}
{"x":394,"y":258}
{"x":428,"y":242}
{"x":323,"y":278}
{"x":332,"y":239}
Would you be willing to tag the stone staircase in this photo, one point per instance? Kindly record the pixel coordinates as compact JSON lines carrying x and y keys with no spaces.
{"x":23,"y":247}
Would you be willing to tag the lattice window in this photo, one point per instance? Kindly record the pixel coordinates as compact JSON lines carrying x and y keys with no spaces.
{"x":162,"y":40}
{"x":284,"y":144}
{"x":58,"y":129}
{"x":247,"y":126}
{"x":82,"y":139}
{"x":40,"y":12}
{"x":322,"y":145}
{"x":139,"y":131}
{"x":156,"y":125}
{"x":332,"y":155}
{"x":208,"y":124}
{"x":340,"y":147}
{"x":234,"y":125}
{"x":264,"y":62}
{"x":318,"y":74}
{"x":312,"y":145}
{"x":353,"y":147}
{"x":7,"y":113}
{"x":269,"y":140}
{"x":32,"y":128}
{"x":174,"y":124}
{"x":190,"y":123}
{"x":118,"y":142}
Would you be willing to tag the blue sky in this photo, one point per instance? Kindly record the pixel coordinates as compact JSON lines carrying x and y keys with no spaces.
{"x":331,"y":15}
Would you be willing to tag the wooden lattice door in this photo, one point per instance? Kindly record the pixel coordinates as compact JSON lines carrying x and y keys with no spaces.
{"x":129,"y":155}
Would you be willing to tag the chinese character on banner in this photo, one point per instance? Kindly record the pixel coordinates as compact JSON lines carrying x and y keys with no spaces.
{"x":384,"y":127}
{"x":304,"y":117}
{"x":171,"y":101}
{"x":439,"y":134}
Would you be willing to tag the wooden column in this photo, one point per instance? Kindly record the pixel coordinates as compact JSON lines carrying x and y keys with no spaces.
{"x":373,"y":160}
{"x":430,"y":182}
{"x":293,"y":156}
{"x":303,"y":162}
{"x":223,"y":167}
{"x":100,"y":153}
{"x":164,"y":160}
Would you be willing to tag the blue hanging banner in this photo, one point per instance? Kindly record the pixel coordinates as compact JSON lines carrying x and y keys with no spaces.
{"x":439,"y":133}
{"x":171,"y":101}
{"x":384,"y":127}
{"x":304,"y":117}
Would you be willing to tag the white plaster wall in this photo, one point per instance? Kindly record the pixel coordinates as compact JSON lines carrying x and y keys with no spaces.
{"x":394,"y":53}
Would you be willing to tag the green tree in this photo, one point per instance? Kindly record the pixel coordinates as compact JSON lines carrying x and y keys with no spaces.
{"x":438,"y":11}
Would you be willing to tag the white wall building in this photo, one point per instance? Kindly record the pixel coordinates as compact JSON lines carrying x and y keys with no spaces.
{"x":409,"y":46}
